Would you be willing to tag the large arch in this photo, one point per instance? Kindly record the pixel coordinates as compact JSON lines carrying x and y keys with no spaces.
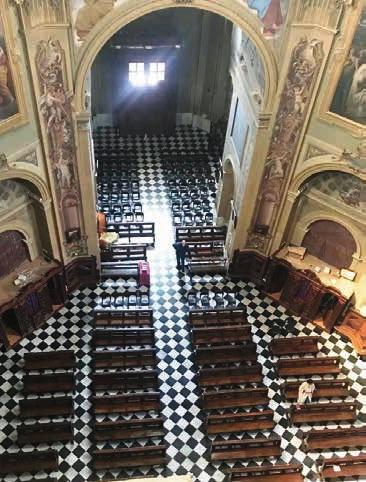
{"x":27,"y":176}
{"x":319,"y":164}
{"x":130,"y":10}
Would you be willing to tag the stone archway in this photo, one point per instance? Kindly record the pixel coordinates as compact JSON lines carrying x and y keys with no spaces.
{"x":130,"y":10}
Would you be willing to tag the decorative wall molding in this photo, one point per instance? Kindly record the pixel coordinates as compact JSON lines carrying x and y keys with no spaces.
{"x":29,"y":155}
{"x":305,"y":63}
{"x":43,"y":12}
{"x":56,"y":111}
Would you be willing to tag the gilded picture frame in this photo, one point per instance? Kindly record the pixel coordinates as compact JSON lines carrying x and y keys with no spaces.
{"x":13,"y":111}
{"x":341,"y":60}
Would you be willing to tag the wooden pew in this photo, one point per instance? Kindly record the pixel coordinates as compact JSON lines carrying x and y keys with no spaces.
{"x":129,"y":457}
{"x":220,"y":376}
{"x":323,"y":412}
{"x":125,"y":380}
{"x":143,"y":357}
{"x":247,"y":397}
{"x":55,"y":382}
{"x":127,"y":403}
{"x":123,"y":337}
{"x":267,"y":473}
{"x":334,"y":438}
{"x":326,"y":365}
{"x":210,"y":317}
{"x":45,"y":433}
{"x":246,"y":448}
{"x":351,"y":466}
{"x":116,"y":318}
{"x":124,"y":253}
{"x":221,"y":334}
{"x":240,"y":422}
{"x":219,"y":355}
{"x":33,"y":462}
{"x":50,"y":360}
{"x":201,"y":234}
{"x":128,"y":429}
{"x":323,"y":389}
{"x":297,"y":345}
{"x":117,"y":269}
{"x":46,"y":407}
{"x":208,"y":265}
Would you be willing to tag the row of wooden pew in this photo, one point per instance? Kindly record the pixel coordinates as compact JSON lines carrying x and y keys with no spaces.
{"x":47,"y":375}
{"x":303,"y":361}
{"x":126,"y":401}
{"x":238,"y":416}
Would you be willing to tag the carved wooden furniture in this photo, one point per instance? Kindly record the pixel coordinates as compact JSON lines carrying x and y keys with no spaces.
{"x":32,"y":306}
{"x":129,"y":429}
{"x":123,"y":253}
{"x":215,"y":317}
{"x":226,"y":334}
{"x":201,"y":234}
{"x":351,"y":466}
{"x":296,"y":367}
{"x":240,"y":422}
{"x":299,"y":345}
{"x":323,"y":412}
{"x":49,"y":383}
{"x":45,"y":433}
{"x":123,"y":337}
{"x":136,"y":392}
{"x":81,"y":272}
{"x":223,"y":354}
{"x":267,"y":473}
{"x":142,"y":233}
{"x":246,"y":448}
{"x":124,"y":318}
{"x":238,"y":398}
{"x":34,"y":461}
{"x":354,"y":328}
{"x":107,"y":459}
{"x":323,"y":389}
{"x":334,"y":438}
{"x":127,"y":402}
{"x":303,"y":294}
{"x":249,"y":266}
{"x":220,"y":376}
{"x":125,"y":380}
{"x":48,"y":360}
{"x":46,"y":407}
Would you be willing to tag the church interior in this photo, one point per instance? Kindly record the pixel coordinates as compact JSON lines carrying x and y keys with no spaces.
{"x":183,"y":240}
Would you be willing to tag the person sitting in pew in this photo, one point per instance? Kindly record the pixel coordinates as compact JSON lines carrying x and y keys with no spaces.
{"x":181,"y":251}
{"x":306,"y":390}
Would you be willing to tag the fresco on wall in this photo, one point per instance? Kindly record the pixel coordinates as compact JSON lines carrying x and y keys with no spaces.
{"x":344,"y":187}
{"x":8,"y":101}
{"x":272,"y":14}
{"x":349,"y":100}
{"x":87,"y":13}
{"x":252,"y":58}
{"x":305,"y":62}
{"x":55,"y":106}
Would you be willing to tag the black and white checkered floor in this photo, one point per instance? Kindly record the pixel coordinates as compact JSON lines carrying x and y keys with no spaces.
{"x":187,"y":442}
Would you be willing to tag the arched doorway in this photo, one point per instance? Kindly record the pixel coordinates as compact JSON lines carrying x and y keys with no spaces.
{"x":331,"y":242}
{"x":227,"y":192}
{"x":126,"y":13}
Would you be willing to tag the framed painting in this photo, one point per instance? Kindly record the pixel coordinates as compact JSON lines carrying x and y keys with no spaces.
{"x":12,"y":104}
{"x":346,"y":103}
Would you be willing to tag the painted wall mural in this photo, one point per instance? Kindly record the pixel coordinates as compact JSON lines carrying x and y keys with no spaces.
{"x":12,"y":106}
{"x":55,"y":106}
{"x":349,"y":100}
{"x":344,"y":187}
{"x":305,"y":62}
{"x":272,"y":14}
{"x":88,"y":13}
